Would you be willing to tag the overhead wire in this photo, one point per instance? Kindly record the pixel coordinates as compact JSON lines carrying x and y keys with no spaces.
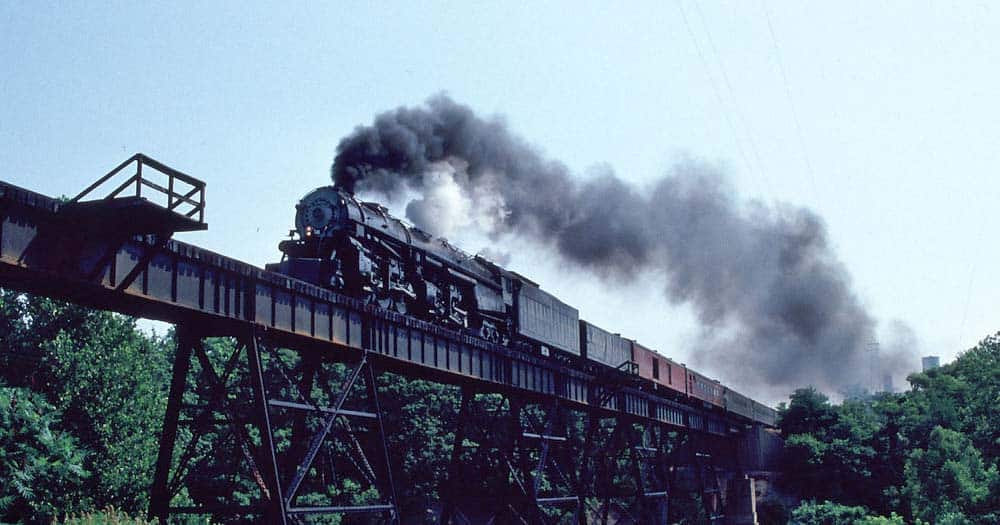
{"x":977,"y":248}
{"x":762,"y":170}
{"x":715,"y":88}
{"x":972,"y":278}
{"x":791,"y":100}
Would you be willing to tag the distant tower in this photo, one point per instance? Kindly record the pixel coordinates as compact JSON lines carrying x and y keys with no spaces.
{"x":930,"y":362}
{"x":873,"y":368}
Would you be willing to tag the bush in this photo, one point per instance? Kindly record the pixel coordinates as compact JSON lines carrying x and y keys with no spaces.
{"x":41,"y":468}
{"x":894,"y":519}
{"x":827,"y":513}
{"x":109,"y":516}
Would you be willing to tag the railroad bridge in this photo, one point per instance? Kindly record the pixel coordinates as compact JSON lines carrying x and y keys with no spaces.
{"x":569,"y":445}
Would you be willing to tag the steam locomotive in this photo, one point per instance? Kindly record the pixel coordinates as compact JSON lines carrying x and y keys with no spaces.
{"x":359,"y":249}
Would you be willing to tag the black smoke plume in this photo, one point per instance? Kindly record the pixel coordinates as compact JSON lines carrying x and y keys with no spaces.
{"x":775,"y":302}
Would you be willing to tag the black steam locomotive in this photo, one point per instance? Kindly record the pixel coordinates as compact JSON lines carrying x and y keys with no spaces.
{"x":360,"y":250}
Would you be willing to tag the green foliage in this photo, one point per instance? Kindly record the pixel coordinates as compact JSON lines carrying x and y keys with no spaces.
{"x":949,"y":478}
{"x":111,"y":385}
{"x":827,"y":513}
{"x":106,"y":379}
{"x":979,"y":368}
{"x":893,"y":519}
{"x":831,"y":455}
{"x":420,"y":418}
{"x":41,"y":467}
{"x":108,"y":516}
{"x":685,"y":505}
{"x":808,"y":412}
{"x":929,"y":455}
{"x":830,"y":513}
{"x":803,"y":465}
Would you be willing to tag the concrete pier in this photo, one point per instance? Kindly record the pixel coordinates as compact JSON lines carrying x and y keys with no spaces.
{"x":741,"y":502}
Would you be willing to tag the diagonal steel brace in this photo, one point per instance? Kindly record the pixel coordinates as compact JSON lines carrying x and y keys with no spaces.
{"x":317,"y":440}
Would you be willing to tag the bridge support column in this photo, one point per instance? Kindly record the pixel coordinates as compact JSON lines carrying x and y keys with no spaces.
{"x":708,"y":479}
{"x":275,"y":509}
{"x":213,"y":390}
{"x":741,"y":502}
{"x":525,"y":444}
{"x":652,"y":458}
{"x":631,"y":473}
{"x":235,"y":409}
{"x":160,"y":494}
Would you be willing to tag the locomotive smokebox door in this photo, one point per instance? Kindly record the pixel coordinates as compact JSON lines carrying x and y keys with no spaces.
{"x":320,"y":212}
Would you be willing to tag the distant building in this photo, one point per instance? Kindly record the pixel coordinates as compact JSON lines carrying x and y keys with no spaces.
{"x":930,"y":362}
{"x":887,"y":383}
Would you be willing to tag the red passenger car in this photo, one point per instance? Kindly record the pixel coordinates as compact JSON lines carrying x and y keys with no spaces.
{"x":659,"y":369}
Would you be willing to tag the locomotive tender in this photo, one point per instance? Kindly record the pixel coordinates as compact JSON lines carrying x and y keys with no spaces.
{"x":357,"y":248}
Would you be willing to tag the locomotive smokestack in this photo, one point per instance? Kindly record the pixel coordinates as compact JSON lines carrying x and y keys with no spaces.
{"x":764,"y":276}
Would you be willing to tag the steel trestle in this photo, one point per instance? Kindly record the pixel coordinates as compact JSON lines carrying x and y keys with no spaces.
{"x":277,"y":473}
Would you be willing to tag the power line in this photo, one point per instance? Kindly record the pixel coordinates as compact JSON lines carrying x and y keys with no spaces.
{"x":715,"y":88}
{"x":732,"y":95}
{"x":791,"y":100}
{"x":972,"y":278}
{"x":977,"y":249}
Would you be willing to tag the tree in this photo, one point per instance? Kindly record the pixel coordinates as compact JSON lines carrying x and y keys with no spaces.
{"x":808,"y":412}
{"x":931,"y":453}
{"x":949,"y":478}
{"x":107,"y":379}
{"x":772,"y":512}
{"x":829,"y":450}
{"x":803,"y":466}
{"x":42,"y":467}
{"x":979,"y":368}
{"x":111,"y":386}
{"x":421,"y":419}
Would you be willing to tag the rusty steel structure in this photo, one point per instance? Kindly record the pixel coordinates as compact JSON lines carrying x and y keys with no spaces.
{"x":306,"y":363}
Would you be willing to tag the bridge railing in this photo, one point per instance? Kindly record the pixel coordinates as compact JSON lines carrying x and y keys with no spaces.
{"x":176,"y":191}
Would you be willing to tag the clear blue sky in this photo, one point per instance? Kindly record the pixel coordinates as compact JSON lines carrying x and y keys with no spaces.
{"x":881,"y":116}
